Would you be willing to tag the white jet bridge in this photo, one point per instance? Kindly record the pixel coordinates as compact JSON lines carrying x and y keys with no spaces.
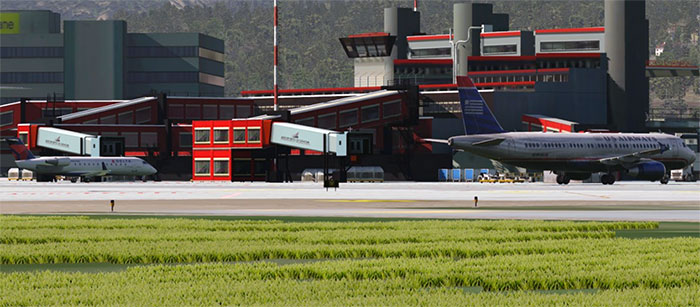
{"x":68,"y":141}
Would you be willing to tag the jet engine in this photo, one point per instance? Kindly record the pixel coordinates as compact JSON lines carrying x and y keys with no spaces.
{"x":58,"y":161}
{"x":650,"y":170}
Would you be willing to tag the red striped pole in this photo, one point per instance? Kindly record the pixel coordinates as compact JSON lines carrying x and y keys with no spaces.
{"x":275,"y":88}
{"x":415,"y":5}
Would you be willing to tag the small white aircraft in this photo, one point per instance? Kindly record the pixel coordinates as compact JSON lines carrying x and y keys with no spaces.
{"x":76,"y":167}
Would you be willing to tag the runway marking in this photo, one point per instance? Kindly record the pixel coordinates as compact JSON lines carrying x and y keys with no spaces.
{"x":231,"y":195}
{"x":583,"y":194}
{"x":367,"y":200}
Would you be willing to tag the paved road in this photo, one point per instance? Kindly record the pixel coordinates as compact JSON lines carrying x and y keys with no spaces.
{"x":621,"y":201}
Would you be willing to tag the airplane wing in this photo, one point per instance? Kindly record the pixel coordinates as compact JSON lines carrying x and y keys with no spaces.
{"x":103,"y":172}
{"x":633,"y":157}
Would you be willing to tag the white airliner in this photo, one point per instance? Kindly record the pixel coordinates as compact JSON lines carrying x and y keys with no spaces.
{"x":570,"y":155}
{"x":76,"y":166}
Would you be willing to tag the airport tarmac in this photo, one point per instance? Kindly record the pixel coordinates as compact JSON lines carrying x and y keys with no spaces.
{"x":576,"y":201}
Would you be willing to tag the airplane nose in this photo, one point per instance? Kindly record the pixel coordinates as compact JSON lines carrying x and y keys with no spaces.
{"x":691,"y":156}
{"x":153,"y":170}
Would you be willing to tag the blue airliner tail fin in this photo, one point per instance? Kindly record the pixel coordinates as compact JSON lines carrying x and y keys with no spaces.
{"x":476,"y":115}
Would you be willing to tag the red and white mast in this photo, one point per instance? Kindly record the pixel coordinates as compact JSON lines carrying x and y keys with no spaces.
{"x":415,"y":5}
{"x":275,"y":88}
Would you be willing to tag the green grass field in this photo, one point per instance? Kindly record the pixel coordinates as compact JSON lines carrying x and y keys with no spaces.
{"x":73,"y":260}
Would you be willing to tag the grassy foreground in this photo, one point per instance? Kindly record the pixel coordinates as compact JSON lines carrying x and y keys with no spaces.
{"x":179,"y":261}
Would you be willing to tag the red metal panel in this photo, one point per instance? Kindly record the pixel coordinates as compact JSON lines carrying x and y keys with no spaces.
{"x":571,"y":30}
{"x":500,"y":34}
{"x":428,"y":37}
{"x":371,"y":34}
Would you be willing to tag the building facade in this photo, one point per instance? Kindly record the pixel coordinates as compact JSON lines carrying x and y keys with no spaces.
{"x":101,"y":60}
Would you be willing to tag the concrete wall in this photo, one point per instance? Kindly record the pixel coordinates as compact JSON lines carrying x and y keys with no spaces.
{"x":95,"y":59}
{"x":627,"y":41}
{"x":582,"y":99}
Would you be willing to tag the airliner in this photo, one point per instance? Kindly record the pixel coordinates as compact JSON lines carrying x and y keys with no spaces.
{"x":86,"y":168}
{"x":569,"y":155}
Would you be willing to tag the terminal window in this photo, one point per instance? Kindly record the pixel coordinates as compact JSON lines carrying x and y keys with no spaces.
{"x":432,"y":52}
{"x":241,"y":167}
{"x":501,"y":49}
{"x":201,"y":167}
{"x":391,"y":109}
{"x":348,"y":118}
{"x":221,"y":135}
{"x":253,"y":135}
{"x":6,"y":118}
{"x":185,"y":139}
{"x":201,"y":135}
{"x":31,"y":52}
{"x":370,"y":113}
{"x":31,"y":77}
{"x":570,"y":46}
{"x":327,"y":121}
{"x":162,"y":51}
{"x":143,"y":115}
{"x":221,"y":167}
{"x":226,"y":112}
{"x":239,"y":135}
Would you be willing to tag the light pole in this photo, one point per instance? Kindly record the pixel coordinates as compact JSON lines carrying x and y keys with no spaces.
{"x":454,"y":45}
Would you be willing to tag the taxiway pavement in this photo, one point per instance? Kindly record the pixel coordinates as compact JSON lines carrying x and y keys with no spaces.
{"x":621,"y":201}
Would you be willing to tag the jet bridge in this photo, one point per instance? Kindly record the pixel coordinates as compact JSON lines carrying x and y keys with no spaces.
{"x":38,"y":136}
{"x":309,"y":138}
{"x":68,"y":141}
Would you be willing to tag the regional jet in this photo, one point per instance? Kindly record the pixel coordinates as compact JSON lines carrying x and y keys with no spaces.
{"x":570,"y":155}
{"x":76,"y":167}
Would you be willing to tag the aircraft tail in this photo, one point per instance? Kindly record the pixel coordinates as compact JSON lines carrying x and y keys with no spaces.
{"x":18,"y":149}
{"x":476,"y":115}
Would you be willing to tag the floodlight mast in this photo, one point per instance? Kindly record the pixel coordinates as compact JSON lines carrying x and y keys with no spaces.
{"x":455,"y":46}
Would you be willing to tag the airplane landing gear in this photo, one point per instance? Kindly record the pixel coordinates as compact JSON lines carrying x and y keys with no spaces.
{"x":664,"y":179}
{"x":563,"y":179}
{"x":607,"y":179}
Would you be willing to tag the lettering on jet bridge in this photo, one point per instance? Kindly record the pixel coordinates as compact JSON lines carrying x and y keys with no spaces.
{"x":295,"y":139}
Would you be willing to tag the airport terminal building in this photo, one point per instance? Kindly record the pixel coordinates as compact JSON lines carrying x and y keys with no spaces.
{"x":101,"y":60}
{"x":160,"y":93}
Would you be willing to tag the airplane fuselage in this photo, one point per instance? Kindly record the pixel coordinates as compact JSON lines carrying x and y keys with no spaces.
{"x":575,"y":152}
{"x":88,"y":166}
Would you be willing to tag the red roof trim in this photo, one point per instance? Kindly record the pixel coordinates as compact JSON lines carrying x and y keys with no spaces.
{"x":500,"y":34}
{"x":571,"y":30}
{"x":503,"y":58}
{"x":370,"y":34}
{"x":419,"y":61}
{"x":428,"y":37}
{"x":506,"y":84}
{"x":314,"y":90}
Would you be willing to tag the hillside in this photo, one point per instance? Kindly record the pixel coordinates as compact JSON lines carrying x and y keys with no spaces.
{"x":310,"y":54}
